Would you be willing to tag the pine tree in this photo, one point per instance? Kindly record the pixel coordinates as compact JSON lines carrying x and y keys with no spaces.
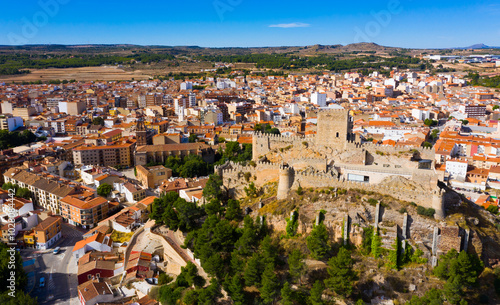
{"x":316,"y":293}
{"x":253,"y":271}
{"x":341,"y":273}
{"x":287,"y":294}
{"x":270,"y":287}
{"x":296,"y":265}
{"x":236,"y":290}
{"x":317,"y":242}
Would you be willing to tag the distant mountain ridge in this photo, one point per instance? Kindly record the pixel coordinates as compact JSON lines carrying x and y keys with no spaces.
{"x":479,"y":46}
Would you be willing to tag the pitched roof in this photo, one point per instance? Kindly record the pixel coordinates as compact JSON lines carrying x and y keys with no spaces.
{"x":91,"y":289}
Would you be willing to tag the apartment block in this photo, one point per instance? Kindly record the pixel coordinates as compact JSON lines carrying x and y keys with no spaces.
{"x":48,"y":232}
{"x":84,"y":212}
{"x":106,"y":155}
{"x":151,"y":177}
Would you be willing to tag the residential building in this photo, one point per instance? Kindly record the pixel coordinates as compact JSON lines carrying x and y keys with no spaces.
{"x":93,"y":292}
{"x":10,"y":123}
{"x":99,"y":242}
{"x":106,"y":155}
{"x":25,"y":113}
{"x":84,"y":212}
{"x":151,"y":177}
{"x":46,"y":192}
{"x":48,"y":232}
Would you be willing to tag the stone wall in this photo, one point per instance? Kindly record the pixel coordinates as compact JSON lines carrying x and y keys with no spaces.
{"x":234,"y":180}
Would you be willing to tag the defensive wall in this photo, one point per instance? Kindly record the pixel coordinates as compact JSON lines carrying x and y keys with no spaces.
{"x":236,"y":177}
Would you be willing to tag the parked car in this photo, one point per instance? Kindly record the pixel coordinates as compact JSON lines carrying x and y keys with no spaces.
{"x":56,"y":250}
{"x":42,"y":282}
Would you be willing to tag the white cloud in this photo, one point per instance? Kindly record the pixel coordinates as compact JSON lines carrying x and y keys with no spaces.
{"x":290,"y":25}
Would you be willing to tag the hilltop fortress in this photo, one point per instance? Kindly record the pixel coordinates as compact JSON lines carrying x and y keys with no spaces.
{"x":335,"y":158}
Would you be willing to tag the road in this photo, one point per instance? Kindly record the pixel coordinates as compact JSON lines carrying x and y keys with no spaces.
{"x":59,"y":271}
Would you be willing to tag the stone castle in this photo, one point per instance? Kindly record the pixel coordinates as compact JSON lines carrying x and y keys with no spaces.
{"x":334,"y":158}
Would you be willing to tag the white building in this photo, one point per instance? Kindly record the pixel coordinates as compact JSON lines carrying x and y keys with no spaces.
{"x":420,"y":114}
{"x":99,"y":242}
{"x":318,"y":99}
{"x":187,"y":86}
{"x":7,"y":107}
{"x":11,"y":123}
{"x":457,"y":169}
{"x":192,"y":99}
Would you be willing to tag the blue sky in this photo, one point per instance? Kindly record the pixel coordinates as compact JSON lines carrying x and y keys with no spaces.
{"x":245,"y":23}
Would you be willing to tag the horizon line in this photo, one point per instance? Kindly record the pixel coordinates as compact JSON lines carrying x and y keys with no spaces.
{"x":239,"y":47}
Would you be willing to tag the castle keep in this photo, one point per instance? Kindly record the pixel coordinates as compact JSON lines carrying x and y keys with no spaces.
{"x":332,"y":158}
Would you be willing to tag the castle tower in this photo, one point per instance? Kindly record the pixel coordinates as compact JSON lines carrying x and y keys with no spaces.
{"x":334,"y":128}
{"x":140,"y":132}
{"x":438,"y":204}
{"x":285,"y":183}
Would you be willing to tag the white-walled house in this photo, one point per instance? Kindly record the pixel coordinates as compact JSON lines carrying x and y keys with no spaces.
{"x":99,"y":242}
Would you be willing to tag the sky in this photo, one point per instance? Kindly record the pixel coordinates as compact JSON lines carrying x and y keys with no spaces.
{"x":256,"y":23}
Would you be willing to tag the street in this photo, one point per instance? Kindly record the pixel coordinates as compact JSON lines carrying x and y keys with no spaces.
{"x":59,"y":270}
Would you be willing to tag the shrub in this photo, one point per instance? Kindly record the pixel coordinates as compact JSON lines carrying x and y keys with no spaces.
{"x":493,"y":209}
{"x":300,"y":191}
{"x":247,"y":176}
{"x":402,"y":210}
{"x":373,"y":201}
{"x":164,"y":278}
{"x":425,"y":212}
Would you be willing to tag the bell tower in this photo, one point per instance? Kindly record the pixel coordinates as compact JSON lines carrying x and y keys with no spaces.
{"x":140,"y":132}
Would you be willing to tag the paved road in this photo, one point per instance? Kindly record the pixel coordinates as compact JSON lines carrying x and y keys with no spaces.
{"x":59,"y":271}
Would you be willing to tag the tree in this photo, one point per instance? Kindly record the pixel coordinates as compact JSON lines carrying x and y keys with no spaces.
{"x":453,"y":291}
{"x":193,"y":138}
{"x":10,"y":186}
{"x":104,"y":190}
{"x":317,"y":242}
{"x":24,"y":192}
{"x":253,"y":271}
{"x":6,"y":267}
{"x":233,"y":210}
{"x":194,"y":166}
{"x":431,"y":297}
{"x":212,"y":189}
{"x":20,"y":298}
{"x":98,"y":121}
{"x":296,"y":265}
{"x":316,"y":293}
{"x":246,"y":243}
{"x":287,"y":294}
{"x":190,"y":297}
{"x":208,"y":295}
{"x":251,"y":190}
{"x":342,"y":274}
{"x":213,"y":207}
{"x":163,"y":279}
{"x":269,"y":289}
{"x":236,"y":290}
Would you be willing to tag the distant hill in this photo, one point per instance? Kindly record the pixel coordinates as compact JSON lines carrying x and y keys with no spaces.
{"x":480,"y":46}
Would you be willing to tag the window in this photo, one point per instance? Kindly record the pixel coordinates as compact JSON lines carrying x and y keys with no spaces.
{"x":337,"y":134}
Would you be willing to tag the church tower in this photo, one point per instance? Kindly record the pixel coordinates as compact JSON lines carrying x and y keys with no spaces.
{"x":140,"y":133}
